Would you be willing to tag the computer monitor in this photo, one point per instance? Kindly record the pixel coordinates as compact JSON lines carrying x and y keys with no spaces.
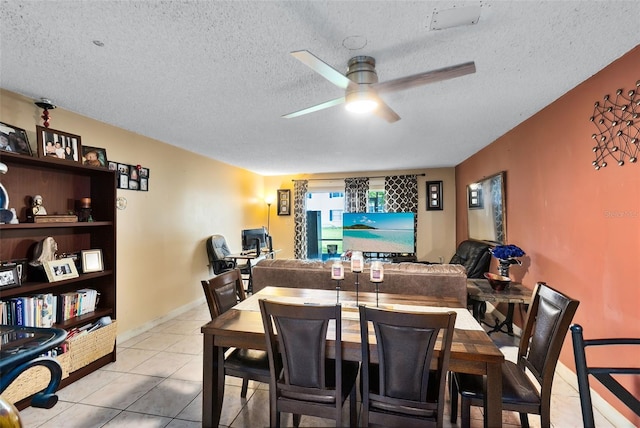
{"x":249,"y":237}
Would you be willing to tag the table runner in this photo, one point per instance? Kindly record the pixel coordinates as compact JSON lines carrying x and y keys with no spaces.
{"x":464,"y":319}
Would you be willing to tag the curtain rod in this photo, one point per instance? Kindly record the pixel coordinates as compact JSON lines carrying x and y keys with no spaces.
{"x":343,"y":178}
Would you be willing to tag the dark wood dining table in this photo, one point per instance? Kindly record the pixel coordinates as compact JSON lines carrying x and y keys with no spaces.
{"x":472,"y":350}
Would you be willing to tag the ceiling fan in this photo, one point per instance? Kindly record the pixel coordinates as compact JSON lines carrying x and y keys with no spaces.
{"x":361,"y":84}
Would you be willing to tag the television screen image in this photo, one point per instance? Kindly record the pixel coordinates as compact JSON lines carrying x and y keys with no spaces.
{"x":249,"y":237}
{"x":378,"y":232}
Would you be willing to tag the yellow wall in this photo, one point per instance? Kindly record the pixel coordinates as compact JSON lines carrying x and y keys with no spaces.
{"x":436,"y":229}
{"x":161,"y":235}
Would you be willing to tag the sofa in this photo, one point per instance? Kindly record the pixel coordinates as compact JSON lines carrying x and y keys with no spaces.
{"x":446,"y":280}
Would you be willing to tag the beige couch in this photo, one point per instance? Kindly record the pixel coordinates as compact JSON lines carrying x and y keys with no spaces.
{"x":399,"y":278}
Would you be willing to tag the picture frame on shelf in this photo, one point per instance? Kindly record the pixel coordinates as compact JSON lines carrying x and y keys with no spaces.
{"x":92,"y":261}
{"x":434,"y":195}
{"x":57,"y":144}
{"x":94,"y":156}
{"x":9,"y":277}
{"x":21,"y":265}
{"x":14,"y":139}
{"x":284,"y":201}
{"x":61,"y":269}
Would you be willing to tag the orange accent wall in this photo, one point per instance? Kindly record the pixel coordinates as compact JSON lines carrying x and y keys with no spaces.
{"x":579,"y":227}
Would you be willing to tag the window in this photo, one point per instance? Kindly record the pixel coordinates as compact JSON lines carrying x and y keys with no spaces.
{"x":376,"y":201}
{"x":324,"y":223}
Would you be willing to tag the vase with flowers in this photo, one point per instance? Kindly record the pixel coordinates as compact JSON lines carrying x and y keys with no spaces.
{"x":507,"y":255}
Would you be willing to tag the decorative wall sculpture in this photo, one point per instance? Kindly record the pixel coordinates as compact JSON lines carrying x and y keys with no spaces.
{"x":618,"y":135}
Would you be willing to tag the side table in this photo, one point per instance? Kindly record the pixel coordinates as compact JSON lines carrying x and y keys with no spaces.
{"x":479,"y":292}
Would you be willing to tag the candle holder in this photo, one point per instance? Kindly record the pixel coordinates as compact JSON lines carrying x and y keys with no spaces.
{"x":377,"y":285}
{"x":337,"y":290}
{"x":357,"y":285}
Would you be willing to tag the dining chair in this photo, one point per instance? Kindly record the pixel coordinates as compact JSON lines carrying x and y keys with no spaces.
{"x":222,"y":293}
{"x":547,"y":323}
{"x":303,"y":379}
{"x":602,"y":374}
{"x":407,"y":386}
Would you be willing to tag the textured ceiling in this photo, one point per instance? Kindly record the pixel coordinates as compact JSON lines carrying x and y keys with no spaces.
{"x":215,"y":77}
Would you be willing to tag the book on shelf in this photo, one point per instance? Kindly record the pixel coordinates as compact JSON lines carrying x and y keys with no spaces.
{"x":76,"y":303}
{"x":45,"y":310}
{"x":29,"y":311}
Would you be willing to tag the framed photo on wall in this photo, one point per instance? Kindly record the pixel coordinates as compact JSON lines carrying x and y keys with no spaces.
{"x":284,"y":202}
{"x":14,"y":139}
{"x":58,"y":144}
{"x":475,"y":197}
{"x":434,"y":195}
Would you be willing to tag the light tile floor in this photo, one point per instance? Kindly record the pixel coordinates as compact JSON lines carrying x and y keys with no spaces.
{"x":157,"y":382}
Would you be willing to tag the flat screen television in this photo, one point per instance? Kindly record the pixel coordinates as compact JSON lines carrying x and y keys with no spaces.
{"x":379,"y":232}
{"x":249,"y":237}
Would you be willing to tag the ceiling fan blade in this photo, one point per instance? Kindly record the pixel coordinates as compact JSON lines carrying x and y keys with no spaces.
{"x":426,"y":77}
{"x":317,"y":107}
{"x":386,"y":112}
{"x":322,"y":68}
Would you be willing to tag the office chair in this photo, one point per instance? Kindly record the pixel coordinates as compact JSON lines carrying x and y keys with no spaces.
{"x":217,"y":251}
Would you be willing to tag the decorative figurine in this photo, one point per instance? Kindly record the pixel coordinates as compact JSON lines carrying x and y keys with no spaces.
{"x":36,"y":206}
{"x":44,"y":251}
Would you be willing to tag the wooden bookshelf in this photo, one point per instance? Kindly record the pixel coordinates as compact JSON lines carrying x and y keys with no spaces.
{"x":62,"y":184}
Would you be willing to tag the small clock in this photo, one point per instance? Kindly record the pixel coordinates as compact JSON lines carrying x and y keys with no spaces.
{"x":121,"y":202}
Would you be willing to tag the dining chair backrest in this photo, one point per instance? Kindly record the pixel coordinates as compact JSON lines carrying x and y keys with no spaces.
{"x":545,"y":328}
{"x":303,"y":379}
{"x":223,"y":291}
{"x":301,"y":341}
{"x":407,"y":385}
{"x":603,"y":373}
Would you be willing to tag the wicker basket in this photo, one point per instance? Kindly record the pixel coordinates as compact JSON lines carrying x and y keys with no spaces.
{"x":81,"y":351}
{"x":34,"y":380}
{"x":89,"y":347}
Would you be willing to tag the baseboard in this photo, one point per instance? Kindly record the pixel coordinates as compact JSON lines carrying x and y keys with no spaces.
{"x":124,"y":336}
{"x":609,"y":412}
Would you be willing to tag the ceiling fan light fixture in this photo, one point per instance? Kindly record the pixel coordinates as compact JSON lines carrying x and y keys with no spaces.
{"x":360,"y":102}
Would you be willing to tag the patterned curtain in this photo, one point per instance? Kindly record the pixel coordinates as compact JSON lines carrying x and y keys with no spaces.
{"x":300,"y":219}
{"x":356,"y":194}
{"x":401,"y":195}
